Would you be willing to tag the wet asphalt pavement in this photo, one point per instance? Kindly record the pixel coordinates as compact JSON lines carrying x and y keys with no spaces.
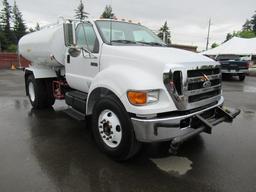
{"x":49,"y":151}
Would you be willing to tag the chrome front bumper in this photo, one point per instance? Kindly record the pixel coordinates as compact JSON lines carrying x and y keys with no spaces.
{"x":169,"y":128}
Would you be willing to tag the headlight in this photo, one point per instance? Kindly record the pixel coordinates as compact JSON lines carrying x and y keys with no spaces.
{"x":143,"y":97}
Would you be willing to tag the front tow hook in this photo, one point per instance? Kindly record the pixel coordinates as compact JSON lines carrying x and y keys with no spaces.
{"x":206,"y":125}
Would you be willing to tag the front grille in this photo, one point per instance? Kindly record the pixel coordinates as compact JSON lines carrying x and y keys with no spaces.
{"x":199,"y":85}
{"x":200,"y":72}
{"x":199,"y":97}
{"x":196,"y":88}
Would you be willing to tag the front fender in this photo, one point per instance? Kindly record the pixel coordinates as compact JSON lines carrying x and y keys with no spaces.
{"x":120,"y":79}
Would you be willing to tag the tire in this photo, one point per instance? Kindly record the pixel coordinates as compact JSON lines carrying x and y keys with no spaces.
{"x":225,"y":76}
{"x":50,"y":97}
{"x":38,"y":93}
{"x":119,"y":142}
{"x":242,"y":77}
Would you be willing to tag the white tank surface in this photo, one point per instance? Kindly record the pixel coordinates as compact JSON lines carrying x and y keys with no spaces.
{"x":44,"y":47}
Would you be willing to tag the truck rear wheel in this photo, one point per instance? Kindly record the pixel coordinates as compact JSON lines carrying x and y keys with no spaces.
{"x":113,"y":129}
{"x":242,"y":77}
{"x":39,"y":93}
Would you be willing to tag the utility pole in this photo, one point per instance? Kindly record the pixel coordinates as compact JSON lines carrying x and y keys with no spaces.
{"x":208,"y":35}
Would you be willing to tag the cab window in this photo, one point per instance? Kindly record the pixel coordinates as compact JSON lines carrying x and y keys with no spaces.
{"x":86,"y":37}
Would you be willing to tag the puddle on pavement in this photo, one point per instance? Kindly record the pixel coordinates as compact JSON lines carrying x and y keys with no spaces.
{"x":174,"y":164}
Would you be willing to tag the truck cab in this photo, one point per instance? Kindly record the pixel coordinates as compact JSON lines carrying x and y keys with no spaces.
{"x":133,"y":86}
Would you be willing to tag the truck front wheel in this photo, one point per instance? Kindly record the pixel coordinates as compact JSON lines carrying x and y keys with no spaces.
{"x":38,"y":93}
{"x":113,"y":129}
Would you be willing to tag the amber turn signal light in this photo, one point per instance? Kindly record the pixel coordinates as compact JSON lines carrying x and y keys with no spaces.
{"x":137,"y":98}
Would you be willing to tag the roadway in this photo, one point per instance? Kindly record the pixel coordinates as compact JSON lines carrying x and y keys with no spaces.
{"x":49,"y":151}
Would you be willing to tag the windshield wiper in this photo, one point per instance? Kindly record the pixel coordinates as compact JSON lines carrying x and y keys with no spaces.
{"x":151,"y":43}
{"x":123,"y":41}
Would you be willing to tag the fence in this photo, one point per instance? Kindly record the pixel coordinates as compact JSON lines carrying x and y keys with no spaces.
{"x":9,"y":59}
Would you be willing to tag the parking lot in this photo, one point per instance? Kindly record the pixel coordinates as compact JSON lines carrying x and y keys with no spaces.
{"x":49,"y":151}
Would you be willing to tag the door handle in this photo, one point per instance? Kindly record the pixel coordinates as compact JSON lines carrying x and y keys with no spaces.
{"x":68,"y":58}
{"x":94,"y":64}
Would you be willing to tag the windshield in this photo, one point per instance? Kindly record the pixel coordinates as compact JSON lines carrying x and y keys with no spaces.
{"x":127,"y":33}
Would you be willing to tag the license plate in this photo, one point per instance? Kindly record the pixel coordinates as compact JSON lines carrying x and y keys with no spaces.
{"x":232,"y":71}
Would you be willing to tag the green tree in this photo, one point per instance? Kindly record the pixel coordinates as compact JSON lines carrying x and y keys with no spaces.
{"x":31,"y":30}
{"x":246,"y":34}
{"x":214,"y":45}
{"x":108,"y":12}
{"x":37,"y":28}
{"x":5,"y":16}
{"x":2,"y":38}
{"x":19,"y":26}
{"x":165,"y":34}
{"x":229,"y":36}
{"x":80,"y":11}
{"x":242,"y":34}
{"x":247,"y":25}
{"x":253,"y":23}
{"x":248,"y":29}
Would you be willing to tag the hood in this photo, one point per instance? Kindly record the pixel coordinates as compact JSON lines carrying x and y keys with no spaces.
{"x":158,"y":57}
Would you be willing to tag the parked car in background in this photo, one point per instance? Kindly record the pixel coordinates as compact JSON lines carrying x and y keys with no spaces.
{"x":234,"y":65}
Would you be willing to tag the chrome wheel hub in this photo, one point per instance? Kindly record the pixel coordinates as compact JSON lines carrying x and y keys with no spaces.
{"x":110,"y":128}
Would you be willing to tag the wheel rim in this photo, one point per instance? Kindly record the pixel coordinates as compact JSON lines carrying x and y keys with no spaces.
{"x":31,"y":91}
{"x":110,"y":128}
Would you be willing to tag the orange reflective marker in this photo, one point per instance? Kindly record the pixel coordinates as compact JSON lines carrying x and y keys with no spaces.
{"x":137,"y":98}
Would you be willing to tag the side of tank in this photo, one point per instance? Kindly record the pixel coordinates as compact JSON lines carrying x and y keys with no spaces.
{"x":44,"y":47}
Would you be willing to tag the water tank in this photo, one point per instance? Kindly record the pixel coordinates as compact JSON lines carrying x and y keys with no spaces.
{"x":44,"y":47}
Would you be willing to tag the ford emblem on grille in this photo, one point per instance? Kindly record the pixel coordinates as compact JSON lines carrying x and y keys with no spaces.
{"x":207,"y":84}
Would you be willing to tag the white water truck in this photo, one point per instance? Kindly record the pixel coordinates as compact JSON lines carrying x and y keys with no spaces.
{"x":135,"y":88}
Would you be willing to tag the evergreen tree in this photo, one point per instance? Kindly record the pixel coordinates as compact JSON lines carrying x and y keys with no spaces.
{"x":2,"y":38}
{"x":80,"y":11}
{"x":248,"y":30}
{"x":247,"y":25}
{"x":19,"y":25}
{"x":31,"y":30}
{"x":253,"y":23}
{"x":5,"y":16}
{"x":108,"y":12}
{"x":37,"y":28}
{"x":214,"y":45}
{"x":164,"y":33}
{"x":228,"y":37}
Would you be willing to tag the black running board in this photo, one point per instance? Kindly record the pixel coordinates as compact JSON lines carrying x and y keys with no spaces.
{"x":76,"y":100}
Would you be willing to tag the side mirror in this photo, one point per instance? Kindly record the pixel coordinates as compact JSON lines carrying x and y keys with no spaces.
{"x":74,"y":52}
{"x":69,"y":34}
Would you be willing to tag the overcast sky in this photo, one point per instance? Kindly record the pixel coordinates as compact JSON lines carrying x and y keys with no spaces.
{"x":187,"y":19}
